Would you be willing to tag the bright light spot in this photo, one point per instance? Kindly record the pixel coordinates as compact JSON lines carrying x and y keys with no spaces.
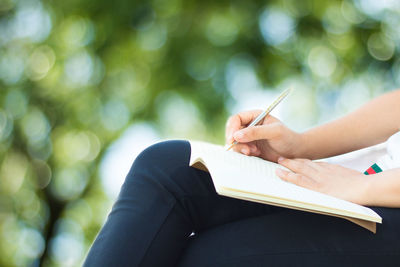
{"x":115,"y":115}
{"x":334,"y":22}
{"x":77,"y":146}
{"x":12,"y":172}
{"x":391,"y":26}
{"x":67,"y":225}
{"x":322,"y":61}
{"x":31,"y":243}
{"x":179,"y":117}
{"x":298,"y":110}
{"x":40,"y":62}
{"x":67,"y":249}
{"x":276,"y":26}
{"x":68,"y":183}
{"x":44,"y":173}
{"x":241,"y":78}
{"x":35,"y":126}
{"x":120,"y":155}
{"x":32,"y":21}
{"x":221,"y":30}
{"x":380,"y":47}
{"x":245,"y":88}
{"x":11,"y":67}
{"x":152,"y":38}
{"x":351,"y":14}
{"x":40,"y":150}
{"x":353,"y":94}
{"x":79,"y":68}
{"x":77,"y":32}
{"x":376,"y":9}
{"x":260,"y":99}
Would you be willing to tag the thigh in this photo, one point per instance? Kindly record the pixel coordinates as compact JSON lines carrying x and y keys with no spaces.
{"x":161,"y":203}
{"x":163,"y":169}
{"x":296,"y":238}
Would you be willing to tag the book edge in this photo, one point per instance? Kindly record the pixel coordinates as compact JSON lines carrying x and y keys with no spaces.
{"x":322,"y":208}
{"x":369,"y":225}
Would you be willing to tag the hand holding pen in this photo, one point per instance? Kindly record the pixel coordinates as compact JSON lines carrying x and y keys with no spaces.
{"x":267,"y":137}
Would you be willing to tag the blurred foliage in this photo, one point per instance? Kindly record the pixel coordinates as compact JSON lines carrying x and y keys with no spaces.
{"x":75,"y":74}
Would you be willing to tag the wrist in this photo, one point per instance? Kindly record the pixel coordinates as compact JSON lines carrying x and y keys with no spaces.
{"x":366,"y":190}
{"x":301,"y":146}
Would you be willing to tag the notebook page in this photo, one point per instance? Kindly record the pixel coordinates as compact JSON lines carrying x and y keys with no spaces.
{"x":251,"y":174}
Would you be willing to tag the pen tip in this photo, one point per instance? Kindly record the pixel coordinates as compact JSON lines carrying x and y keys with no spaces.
{"x":229,"y":148}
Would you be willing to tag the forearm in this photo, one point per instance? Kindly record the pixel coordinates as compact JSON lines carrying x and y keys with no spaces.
{"x":371,"y":124}
{"x":383,"y":189}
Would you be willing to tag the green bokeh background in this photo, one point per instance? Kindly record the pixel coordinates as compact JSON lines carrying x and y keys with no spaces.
{"x":77,"y":75}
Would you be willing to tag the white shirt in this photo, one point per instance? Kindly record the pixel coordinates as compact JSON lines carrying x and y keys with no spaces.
{"x":391,"y":159}
{"x":386,"y":155}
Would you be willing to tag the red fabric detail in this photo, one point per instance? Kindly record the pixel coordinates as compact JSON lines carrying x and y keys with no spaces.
{"x":371,"y":171}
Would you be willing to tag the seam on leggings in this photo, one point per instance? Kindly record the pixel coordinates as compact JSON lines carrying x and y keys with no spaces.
{"x":351,"y":253}
{"x":156,"y":234}
{"x":176,"y":199}
{"x":176,"y":202}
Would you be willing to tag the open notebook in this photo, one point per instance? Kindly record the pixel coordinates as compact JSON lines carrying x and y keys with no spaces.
{"x":253,"y":179}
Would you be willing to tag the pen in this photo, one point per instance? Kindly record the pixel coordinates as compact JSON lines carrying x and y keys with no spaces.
{"x":265,"y":112}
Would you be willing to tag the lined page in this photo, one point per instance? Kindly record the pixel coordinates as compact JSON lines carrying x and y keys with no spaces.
{"x":236,"y":171}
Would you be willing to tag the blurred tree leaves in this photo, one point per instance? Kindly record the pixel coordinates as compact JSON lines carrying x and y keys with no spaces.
{"x":75,"y":74}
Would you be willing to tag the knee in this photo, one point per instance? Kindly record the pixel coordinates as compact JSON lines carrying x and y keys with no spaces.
{"x":163,"y":156}
{"x":163,"y":169}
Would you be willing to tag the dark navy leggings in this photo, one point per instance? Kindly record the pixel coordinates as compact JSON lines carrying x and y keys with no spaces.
{"x":168,"y":214}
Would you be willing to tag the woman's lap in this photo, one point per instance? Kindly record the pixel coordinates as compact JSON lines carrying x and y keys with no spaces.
{"x":296,"y":238}
{"x":163,"y":200}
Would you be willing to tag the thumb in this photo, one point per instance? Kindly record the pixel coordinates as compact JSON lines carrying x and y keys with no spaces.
{"x":258,"y":132}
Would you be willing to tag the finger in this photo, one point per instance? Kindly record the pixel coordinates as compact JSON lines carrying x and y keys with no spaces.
{"x":326,"y":165}
{"x":300,"y":166}
{"x":254,"y":151}
{"x":270,"y":119}
{"x":239,"y":121}
{"x":247,"y":149}
{"x":242,"y":148}
{"x":294,"y":178}
{"x":311,"y":164}
{"x":259,"y":132}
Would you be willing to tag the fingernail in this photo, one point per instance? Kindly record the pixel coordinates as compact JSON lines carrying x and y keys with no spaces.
{"x":243,"y":150}
{"x":281,"y":159}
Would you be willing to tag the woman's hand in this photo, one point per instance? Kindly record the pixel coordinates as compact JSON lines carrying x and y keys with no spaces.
{"x":268,"y":140}
{"x":326,"y":178}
